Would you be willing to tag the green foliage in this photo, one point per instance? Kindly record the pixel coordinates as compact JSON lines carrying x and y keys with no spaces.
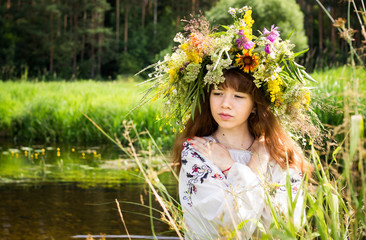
{"x":328,"y":94}
{"x":285,"y":14}
{"x":53,"y":111}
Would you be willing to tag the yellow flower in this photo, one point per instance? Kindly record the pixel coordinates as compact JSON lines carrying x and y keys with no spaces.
{"x":274,"y":88}
{"x":184,"y":46}
{"x":248,"y":62}
{"x":155,"y":98}
{"x":194,"y":57}
{"x":173,"y":72}
{"x":248,"y":18}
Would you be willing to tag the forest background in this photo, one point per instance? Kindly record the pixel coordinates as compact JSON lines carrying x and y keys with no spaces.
{"x":100,"y":39}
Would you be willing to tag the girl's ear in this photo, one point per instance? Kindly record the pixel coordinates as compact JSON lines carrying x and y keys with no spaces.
{"x":254,"y":110}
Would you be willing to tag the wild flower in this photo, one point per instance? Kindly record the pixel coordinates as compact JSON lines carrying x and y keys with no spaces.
{"x":248,"y":62}
{"x":273,"y":34}
{"x":203,"y":53}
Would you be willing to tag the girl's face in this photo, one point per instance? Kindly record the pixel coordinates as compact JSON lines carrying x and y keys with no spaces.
{"x":230,"y":108}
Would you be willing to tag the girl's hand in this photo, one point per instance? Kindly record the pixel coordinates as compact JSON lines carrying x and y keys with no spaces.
{"x":216,"y":152}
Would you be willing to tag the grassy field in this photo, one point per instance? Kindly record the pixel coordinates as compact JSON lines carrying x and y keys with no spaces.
{"x":328,"y":94}
{"x":52,"y":111}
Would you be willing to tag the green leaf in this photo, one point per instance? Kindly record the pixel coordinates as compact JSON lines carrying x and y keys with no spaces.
{"x":289,"y":35}
{"x":301,"y":53}
{"x":308,"y":77}
{"x":299,"y":66}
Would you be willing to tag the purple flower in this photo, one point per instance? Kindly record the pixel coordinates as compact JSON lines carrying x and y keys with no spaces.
{"x":273,"y":34}
{"x":267,"y":49}
{"x":244,"y":42}
{"x":248,"y":45}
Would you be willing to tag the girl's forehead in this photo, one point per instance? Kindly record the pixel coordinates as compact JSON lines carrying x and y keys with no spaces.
{"x":222,"y":86}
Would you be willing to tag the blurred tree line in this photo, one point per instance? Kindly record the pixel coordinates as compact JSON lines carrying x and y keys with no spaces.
{"x":53,"y":39}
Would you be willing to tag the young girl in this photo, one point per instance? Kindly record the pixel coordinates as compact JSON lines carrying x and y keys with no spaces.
{"x":231,"y":93}
{"x":230,"y":151}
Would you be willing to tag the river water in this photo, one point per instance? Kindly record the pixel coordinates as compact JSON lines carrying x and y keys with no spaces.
{"x":63,"y":193}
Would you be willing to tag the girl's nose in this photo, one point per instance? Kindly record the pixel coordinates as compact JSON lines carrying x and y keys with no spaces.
{"x":226,"y":102}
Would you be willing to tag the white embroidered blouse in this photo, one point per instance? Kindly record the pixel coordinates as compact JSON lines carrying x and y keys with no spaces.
{"x":211,"y":202}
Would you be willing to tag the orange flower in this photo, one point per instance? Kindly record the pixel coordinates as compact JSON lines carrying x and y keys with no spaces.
{"x":248,"y":62}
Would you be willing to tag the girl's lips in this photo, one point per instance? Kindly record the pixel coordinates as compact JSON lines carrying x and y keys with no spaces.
{"x":225,"y":116}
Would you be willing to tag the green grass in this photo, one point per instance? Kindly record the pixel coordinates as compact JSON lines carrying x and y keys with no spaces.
{"x":328,"y":94}
{"x":53,"y":111}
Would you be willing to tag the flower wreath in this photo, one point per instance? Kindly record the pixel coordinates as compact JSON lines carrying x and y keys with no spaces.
{"x":183,"y":76}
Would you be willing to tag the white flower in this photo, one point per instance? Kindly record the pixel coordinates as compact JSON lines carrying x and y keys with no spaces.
{"x":240,"y":10}
{"x":179,"y":37}
{"x":232,"y":11}
{"x":168,"y":102}
{"x":174,"y":91}
{"x":242,"y":23}
{"x":245,"y":8}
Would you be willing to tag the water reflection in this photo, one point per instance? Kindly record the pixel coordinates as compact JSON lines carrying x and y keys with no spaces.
{"x":61,"y":210}
{"x":69,"y":190}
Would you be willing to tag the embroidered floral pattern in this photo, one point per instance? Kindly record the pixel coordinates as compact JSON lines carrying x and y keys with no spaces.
{"x":200,"y":171}
{"x":217,"y":176}
{"x":188,"y":150}
{"x":295,"y":183}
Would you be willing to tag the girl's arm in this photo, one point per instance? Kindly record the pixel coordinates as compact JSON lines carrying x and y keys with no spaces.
{"x":208,"y":196}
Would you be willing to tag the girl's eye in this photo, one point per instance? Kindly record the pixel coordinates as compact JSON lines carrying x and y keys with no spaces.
{"x":217,"y":93}
{"x":238,"y":96}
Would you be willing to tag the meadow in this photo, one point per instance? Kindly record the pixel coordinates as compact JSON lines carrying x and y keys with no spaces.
{"x":52,"y":112}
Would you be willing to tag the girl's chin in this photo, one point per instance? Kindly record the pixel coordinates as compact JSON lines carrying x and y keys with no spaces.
{"x":227,"y":125}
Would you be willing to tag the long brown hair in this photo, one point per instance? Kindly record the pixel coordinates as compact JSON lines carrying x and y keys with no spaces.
{"x":262,"y":123}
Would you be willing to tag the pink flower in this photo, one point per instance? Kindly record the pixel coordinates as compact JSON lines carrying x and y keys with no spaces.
{"x":267,"y":49}
{"x":273,"y":34}
{"x":244,"y":42}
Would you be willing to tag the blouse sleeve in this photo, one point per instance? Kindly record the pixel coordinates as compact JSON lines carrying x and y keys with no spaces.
{"x":206,"y":193}
{"x":280,"y":197}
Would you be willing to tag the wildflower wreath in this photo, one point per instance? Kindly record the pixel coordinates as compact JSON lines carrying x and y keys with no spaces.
{"x":183,"y":76}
